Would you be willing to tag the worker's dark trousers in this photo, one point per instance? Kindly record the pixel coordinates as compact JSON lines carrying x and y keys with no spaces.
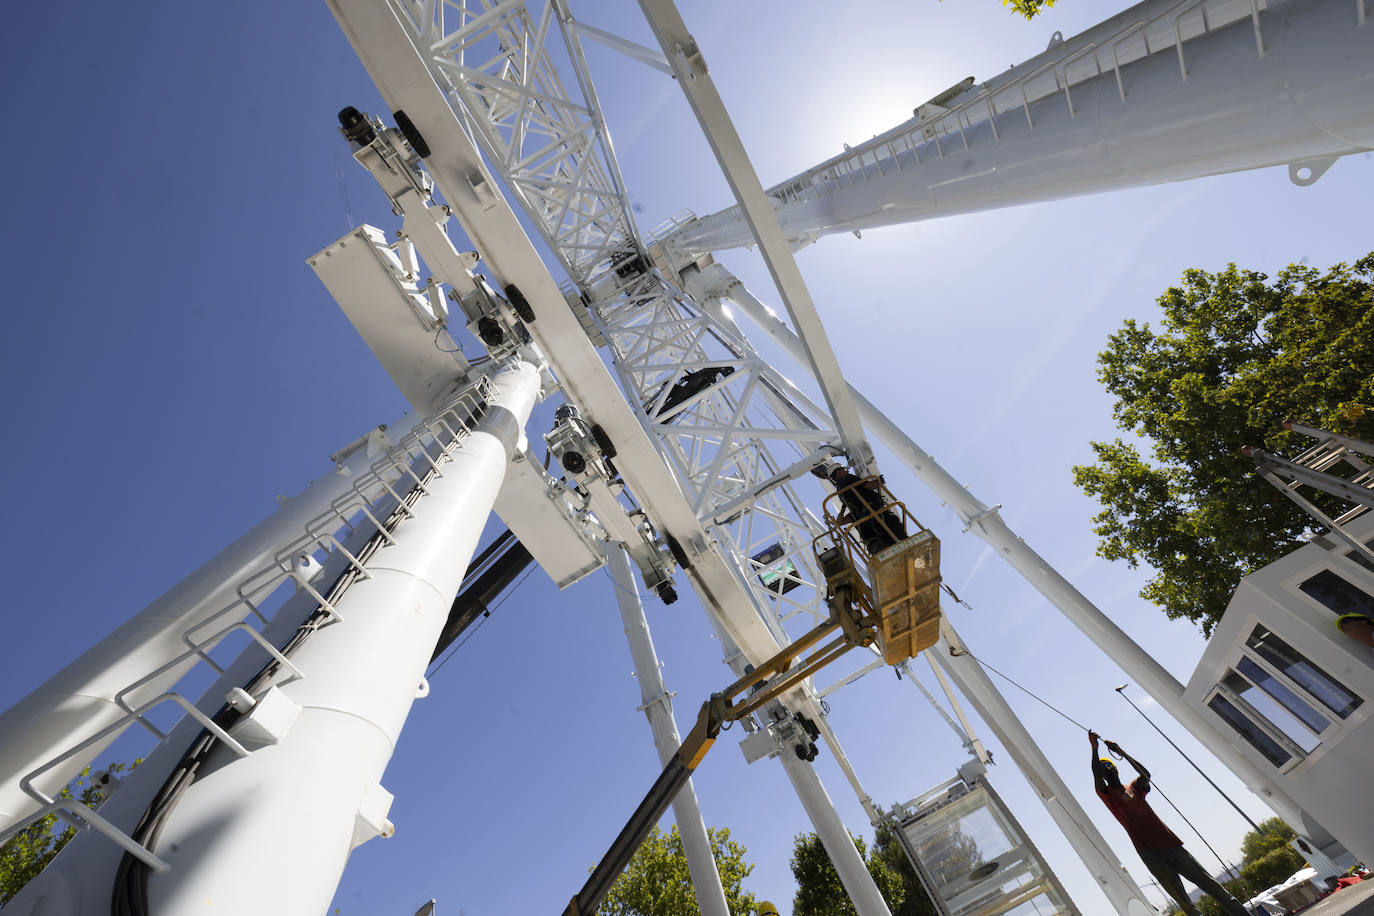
{"x":1169,"y":865}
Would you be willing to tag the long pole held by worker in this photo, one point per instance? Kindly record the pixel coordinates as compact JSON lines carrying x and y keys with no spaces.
{"x":1248,"y":819}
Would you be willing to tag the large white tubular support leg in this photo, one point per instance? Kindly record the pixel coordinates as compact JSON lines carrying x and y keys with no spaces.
{"x":79,"y":701}
{"x":823,"y":723}
{"x":317,"y":789}
{"x":1306,"y":101}
{"x":984,"y":521}
{"x":658,"y":707}
{"x":858,"y":883}
{"x":1125,"y":895}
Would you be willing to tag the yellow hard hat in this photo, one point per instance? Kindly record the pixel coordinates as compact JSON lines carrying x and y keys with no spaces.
{"x":767,"y":909}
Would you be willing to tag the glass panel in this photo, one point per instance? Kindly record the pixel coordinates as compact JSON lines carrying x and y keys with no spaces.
{"x":1339,"y":595}
{"x":777,"y":577}
{"x":1249,"y":731}
{"x":1289,"y":700}
{"x":1330,"y":692}
{"x":1271,"y":712}
{"x":960,"y":836}
{"x":964,"y":841}
{"x":1039,"y":905}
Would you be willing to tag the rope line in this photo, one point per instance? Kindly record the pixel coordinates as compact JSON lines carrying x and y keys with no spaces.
{"x":1153,"y":784}
{"x":1044,"y":702}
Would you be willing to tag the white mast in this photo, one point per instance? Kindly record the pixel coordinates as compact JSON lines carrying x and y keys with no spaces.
{"x":1165,"y":91}
{"x":315,"y":736}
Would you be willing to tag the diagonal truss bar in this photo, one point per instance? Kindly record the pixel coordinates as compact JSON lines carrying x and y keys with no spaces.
{"x":386,"y":43}
{"x":497,"y":63}
{"x":737,"y":444}
{"x":690,"y":69}
{"x":737,"y":449}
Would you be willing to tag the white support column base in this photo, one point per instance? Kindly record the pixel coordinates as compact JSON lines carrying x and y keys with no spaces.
{"x":849,"y":865}
{"x":658,"y":707}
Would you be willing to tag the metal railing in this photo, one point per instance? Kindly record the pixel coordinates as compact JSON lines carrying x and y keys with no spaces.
{"x":983,"y":105}
{"x":372,"y":496}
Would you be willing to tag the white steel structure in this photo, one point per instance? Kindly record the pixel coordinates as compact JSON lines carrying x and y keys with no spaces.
{"x":692,"y":453}
{"x":658,"y":707}
{"x":1255,"y":84}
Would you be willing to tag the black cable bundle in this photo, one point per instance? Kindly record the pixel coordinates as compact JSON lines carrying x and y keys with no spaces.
{"x":130,"y":893}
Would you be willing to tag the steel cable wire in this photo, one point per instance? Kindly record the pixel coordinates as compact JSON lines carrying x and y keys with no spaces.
{"x":1153,"y":784}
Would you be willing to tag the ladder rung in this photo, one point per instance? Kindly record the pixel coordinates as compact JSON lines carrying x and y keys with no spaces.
{"x":1350,"y":516}
{"x":1319,"y":457}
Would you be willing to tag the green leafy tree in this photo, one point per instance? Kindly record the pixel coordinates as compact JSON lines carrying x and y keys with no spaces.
{"x":913,"y":900}
{"x":1268,"y":859}
{"x":1273,"y":834}
{"x":820,"y":893}
{"x":1234,"y":357}
{"x":1027,"y":8}
{"x":28,"y":853}
{"x":657,"y":883}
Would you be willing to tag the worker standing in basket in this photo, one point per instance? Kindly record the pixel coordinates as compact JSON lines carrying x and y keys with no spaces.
{"x":1160,"y":849}
{"x":863,"y":501}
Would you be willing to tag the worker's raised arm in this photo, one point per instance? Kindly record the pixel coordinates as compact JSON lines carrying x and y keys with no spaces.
{"x":1099,"y":782}
{"x":1139,"y":767}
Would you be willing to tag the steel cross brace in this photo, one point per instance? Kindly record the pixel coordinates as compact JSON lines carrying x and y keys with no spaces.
{"x":689,"y":67}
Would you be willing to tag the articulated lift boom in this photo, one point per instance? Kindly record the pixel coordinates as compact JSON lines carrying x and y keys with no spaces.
{"x":887,"y":613}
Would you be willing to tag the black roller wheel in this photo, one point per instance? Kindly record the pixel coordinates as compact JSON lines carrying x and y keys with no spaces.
{"x":413,"y":136}
{"x":603,"y":441}
{"x":573,"y":462}
{"x":676,"y":550}
{"x":518,"y":302}
{"x":355,"y":126}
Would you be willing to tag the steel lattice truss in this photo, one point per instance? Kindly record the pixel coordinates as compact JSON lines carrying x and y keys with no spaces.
{"x":497,"y":64}
{"x":735,"y":445}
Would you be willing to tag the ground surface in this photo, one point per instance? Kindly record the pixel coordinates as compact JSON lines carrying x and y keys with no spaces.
{"x":1353,"y":901}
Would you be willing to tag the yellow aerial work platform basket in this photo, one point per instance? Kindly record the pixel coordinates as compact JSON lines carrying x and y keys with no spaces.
{"x":901,"y":556}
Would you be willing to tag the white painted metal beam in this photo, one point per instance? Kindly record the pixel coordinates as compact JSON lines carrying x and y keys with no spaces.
{"x":689,"y":66}
{"x":319,"y":732}
{"x":383,"y":44}
{"x":1111,"y":878}
{"x":849,"y":865}
{"x":84,"y":697}
{"x":646,"y":56}
{"x":1098,"y":113}
{"x":658,"y":707}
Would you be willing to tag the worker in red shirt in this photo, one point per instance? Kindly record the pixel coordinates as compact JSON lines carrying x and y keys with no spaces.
{"x":1159,"y":848}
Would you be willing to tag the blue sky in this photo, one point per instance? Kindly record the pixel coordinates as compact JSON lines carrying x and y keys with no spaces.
{"x":173,"y":365}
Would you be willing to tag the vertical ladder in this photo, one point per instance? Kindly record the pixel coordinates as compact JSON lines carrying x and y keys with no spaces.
{"x":368,"y":508}
{"x":1317,"y":468}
